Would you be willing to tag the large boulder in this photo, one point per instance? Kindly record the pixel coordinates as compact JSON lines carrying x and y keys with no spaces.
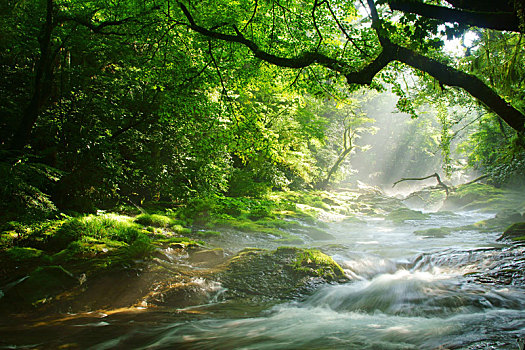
{"x":280,"y":274}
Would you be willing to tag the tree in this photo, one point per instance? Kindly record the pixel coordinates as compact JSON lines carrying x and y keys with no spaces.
{"x":55,"y":24}
{"x":319,"y":34}
{"x":346,"y":123}
{"x":123,"y":107}
{"x":498,"y":15}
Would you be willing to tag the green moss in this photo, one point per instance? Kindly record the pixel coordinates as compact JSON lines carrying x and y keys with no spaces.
{"x":141,"y":248}
{"x":20,"y":254}
{"x":243,"y":225}
{"x":290,"y":240}
{"x":155,"y":220}
{"x":515,"y":231}
{"x":110,"y":226}
{"x":279,"y":224}
{"x":318,"y":264}
{"x":283,"y":273}
{"x":401,"y":215}
{"x":180,"y":230}
{"x":437,"y":232}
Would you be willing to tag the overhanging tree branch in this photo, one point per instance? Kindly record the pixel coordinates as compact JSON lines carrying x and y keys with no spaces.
{"x":364,"y":76}
{"x":440,"y":183}
{"x":484,"y":19}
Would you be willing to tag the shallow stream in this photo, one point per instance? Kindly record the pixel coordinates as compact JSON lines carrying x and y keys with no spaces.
{"x":406,"y":292}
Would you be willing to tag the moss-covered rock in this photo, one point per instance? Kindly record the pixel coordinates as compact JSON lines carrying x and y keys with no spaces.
{"x":482,"y":196}
{"x":495,"y":224}
{"x":515,"y":232}
{"x":282,"y":273}
{"x":208,"y":257}
{"x":435,"y":232}
{"x":22,"y":254}
{"x":41,"y":285}
{"x":400,"y":215}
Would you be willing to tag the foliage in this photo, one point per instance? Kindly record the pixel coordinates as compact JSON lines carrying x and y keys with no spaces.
{"x":492,"y":149}
{"x":100,"y":227}
{"x":445,"y":139}
{"x":108,"y":103}
{"x":25,"y":189}
{"x":154,"y":220}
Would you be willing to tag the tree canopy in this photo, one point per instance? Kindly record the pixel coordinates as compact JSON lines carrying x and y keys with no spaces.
{"x":163,"y":99}
{"x":322,"y":33}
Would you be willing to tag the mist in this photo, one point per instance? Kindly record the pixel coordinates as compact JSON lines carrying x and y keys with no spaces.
{"x":405,"y":147}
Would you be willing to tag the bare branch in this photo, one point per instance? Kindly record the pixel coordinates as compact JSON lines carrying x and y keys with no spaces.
{"x":251,"y":18}
{"x":440,"y":183}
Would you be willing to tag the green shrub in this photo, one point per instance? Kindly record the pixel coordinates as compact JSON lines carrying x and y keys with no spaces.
{"x":25,"y":188}
{"x":230,"y":206}
{"x":259,"y":212}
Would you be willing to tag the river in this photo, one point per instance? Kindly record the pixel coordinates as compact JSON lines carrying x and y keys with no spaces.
{"x":407,"y":291}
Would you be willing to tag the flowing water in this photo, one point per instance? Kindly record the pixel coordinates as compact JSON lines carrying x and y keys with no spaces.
{"x":406,"y":292}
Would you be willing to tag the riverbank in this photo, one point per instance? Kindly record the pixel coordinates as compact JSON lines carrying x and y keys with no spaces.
{"x":166,"y":259}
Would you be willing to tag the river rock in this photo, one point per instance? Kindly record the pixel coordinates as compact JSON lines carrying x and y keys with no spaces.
{"x":515,"y":231}
{"x":208,"y":257}
{"x":435,"y":232}
{"x":509,"y":215}
{"x":42,"y":284}
{"x":280,"y":274}
{"x":401,"y":215}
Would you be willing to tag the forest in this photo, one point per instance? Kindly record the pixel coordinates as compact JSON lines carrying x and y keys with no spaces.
{"x":262,"y":174}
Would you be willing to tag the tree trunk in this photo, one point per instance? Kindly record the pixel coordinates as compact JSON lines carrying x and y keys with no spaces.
{"x":42,"y":84}
{"x":334,"y":167}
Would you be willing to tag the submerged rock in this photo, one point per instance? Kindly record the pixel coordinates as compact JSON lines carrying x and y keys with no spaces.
{"x":435,"y":232}
{"x":283,"y":273}
{"x":207,"y":257}
{"x":401,"y":215}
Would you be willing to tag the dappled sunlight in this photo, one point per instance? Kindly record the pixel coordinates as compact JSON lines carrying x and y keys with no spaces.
{"x":299,"y":174}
